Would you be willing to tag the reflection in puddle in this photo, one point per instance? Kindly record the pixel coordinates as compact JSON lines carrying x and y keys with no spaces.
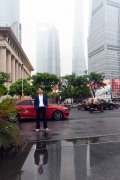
{"x":71,"y":159}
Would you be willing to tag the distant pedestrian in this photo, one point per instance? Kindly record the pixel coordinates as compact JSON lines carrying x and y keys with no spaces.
{"x":40,"y":105}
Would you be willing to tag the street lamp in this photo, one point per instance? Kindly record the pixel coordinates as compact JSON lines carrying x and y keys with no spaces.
{"x":22,"y":82}
{"x":111,"y":84}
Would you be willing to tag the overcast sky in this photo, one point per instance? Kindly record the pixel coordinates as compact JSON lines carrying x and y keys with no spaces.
{"x":61,"y":12}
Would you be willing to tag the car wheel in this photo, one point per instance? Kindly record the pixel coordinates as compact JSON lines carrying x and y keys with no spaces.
{"x":102,"y":109}
{"x":111,"y":107}
{"x":91,"y":110}
{"x":13,"y":117}
{"x":57,"y":115}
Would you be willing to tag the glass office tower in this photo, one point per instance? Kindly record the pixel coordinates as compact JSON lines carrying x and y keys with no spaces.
{"x":10,"y":16}
{"x":53,"y":51}
{"x":78,"y":55}
{"x":104,"y":38}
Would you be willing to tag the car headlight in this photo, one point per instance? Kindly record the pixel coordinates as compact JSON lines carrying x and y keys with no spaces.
{"x":65,"y":108}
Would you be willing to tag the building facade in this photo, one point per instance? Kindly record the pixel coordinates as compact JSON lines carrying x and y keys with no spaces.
{"x":42,"y":48}
{"x":104,"y":38}
{"x":10,"y":16}
{"x":13,"y":59}
{"x":53,"y":52}
{"x":78,"y":55}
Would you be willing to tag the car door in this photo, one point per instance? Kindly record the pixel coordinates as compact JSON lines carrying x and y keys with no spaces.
{"x":104,"y":102}
{"x":26,"y":109}
{"x":49,"y":111}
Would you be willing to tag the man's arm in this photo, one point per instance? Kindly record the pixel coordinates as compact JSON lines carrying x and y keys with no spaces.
{"x":45,"y":101}
{"x":35,"y":102}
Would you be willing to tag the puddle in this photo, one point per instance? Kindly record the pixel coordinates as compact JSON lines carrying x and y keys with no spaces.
{"x":69,"y":159}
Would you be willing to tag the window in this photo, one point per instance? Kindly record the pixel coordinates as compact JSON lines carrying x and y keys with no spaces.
{"x":26,"y":103}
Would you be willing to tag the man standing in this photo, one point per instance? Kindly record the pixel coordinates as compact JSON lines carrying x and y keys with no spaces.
{"x":40,"y":105}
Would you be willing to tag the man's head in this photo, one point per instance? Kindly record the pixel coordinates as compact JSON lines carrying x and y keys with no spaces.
{"x":40,"y":90}
{"x":40,"y":169}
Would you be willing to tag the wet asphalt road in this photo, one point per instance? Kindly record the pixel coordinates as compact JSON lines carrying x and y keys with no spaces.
{"x":79,"y":124}
{"x":84,"y":147}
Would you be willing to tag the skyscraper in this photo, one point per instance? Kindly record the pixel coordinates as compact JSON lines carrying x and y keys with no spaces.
{"x":104,"y":38}
{"x":53,"y":51}
{"x":42,"y":48}
{"x":10,"y":16}
{"x":78,"y":59}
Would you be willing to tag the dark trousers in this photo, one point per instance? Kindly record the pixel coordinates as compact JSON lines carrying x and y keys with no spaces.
{"x":39,"y":111}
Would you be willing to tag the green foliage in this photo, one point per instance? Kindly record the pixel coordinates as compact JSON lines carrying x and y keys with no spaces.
{"x":3,"y":90}
{"x":49,"y":94}
{"x":7,"y":107}
{"x":8,"y":131}
{"x":46,"y":80}
{"x":4,"y":77}
{"x":16,"y":88}
{"x":9,"y":134}
{"x":95,"y":81}
{"x":76,"y":87}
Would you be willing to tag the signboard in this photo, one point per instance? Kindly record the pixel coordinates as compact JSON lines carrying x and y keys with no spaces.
{"x":115,"y":88}
{"x":104,"y":92}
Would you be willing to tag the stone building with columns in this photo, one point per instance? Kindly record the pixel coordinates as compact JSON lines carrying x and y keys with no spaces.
{"x":13,"y":59}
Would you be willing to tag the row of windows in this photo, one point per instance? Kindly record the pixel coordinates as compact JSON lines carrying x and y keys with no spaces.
{"x":115,"y":4}
{"x":112,"y":47}
{"x":97,"y":8}
{"x":96,"y":51}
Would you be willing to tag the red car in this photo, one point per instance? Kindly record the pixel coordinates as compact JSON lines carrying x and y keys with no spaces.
{"x":26,"y":110}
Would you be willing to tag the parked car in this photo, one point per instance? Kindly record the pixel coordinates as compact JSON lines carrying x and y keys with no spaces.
{"x":117,"y":104}
{"x":26,"y":110}
{"x":107,"y":105}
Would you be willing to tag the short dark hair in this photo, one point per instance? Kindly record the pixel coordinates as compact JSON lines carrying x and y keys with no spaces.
{"x":40,"y":87}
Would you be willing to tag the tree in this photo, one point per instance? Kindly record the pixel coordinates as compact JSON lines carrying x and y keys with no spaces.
{"x":46,"y":80}
{"x":4,"y":77}
{"x":16,"y":88}
{"x":3,"y":90}
{"x":95,"y":81}
{"x":75,"y":87}
{"x":68,"y":83}
{"x":9,"y":133}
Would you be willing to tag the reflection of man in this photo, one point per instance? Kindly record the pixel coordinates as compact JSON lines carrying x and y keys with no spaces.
{"x":41,"y":156}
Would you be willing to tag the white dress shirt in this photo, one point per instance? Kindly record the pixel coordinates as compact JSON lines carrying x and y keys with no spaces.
{"x":41,"y":159}
{"x":41,"y":101}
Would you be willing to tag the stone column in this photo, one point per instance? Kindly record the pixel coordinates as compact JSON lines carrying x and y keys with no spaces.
{"x":16,"y":70}
{"x":8,"y":66}
{"x":24,"y":74}
{"x":19,"y":72}
{"x":8,"y":63}
{"x":27,"y":75}
{"x":3,"y":59}
{"x":13,"y":69}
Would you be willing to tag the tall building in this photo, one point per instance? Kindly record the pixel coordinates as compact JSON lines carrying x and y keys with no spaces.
{"x":104,"y":38}
{"x":10,"y":16}
{"x":78,"y":59}
{"x":42,"y":48}
{"x":53,"y":51}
